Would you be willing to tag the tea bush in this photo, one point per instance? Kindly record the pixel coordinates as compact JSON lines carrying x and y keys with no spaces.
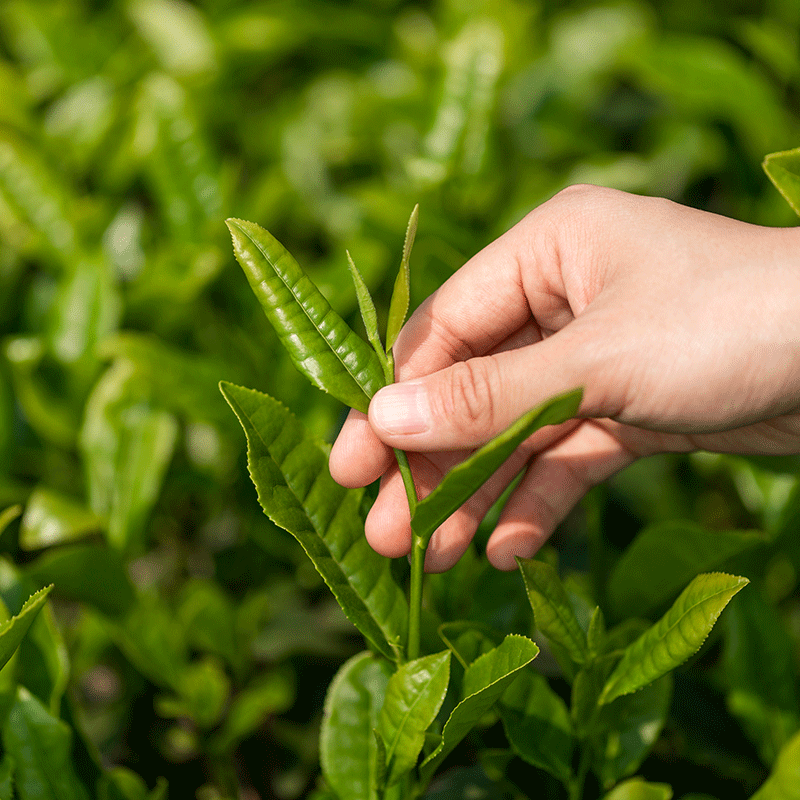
{"x":187,"y":644}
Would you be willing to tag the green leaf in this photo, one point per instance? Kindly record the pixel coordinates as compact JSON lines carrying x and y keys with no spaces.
{"x":13,"y":630}
{"x":290,"y":471}
{"x":784,"y":780}
{"x":202,"y":693}
{"x":552,"y":612}
{"x":467,"y":640}
{"x":8,"y":516}
{"x":401,"y":296}
{"x":7,"y":778}
{"x":41,"y":746}
{"x":318,"y":340}
{"x":639,"y":789}
{"x":348,"y":750}
{"x":461,"y":482}
{"x":123,"y":784}
{"x":413,"y":698}
{"x":664,"y":558}
{"x":367,"y":308}
{"x":484,"y":683}
{"x":51,"y":518}
{"x":596,"y":633}
{"x":675,"y":637}
{"x":537,"y":724}
{"x":93,"y":574}
{"x":629,"y":727}
{"x":783,"y":170}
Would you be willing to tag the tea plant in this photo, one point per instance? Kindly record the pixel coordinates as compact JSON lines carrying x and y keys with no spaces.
{"x":395,"y":712}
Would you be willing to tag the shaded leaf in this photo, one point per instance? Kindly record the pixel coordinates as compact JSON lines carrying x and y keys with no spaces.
{"x":537,"y":724}
{"x":664,"y":557}
{"x":552,"y":612}
{"x":8,"y":516}
{"x":676,"y":636}
{"x":467,"y":640}
{"x":290,"y":471}
{"x":318,"y":340}
{"x":348,"y":750}
{"x":484,"y":683}
{"x":783,"y":170}
{"x":461,"y":482}
{"x":413,"y":698}
{"x":401,"y":295}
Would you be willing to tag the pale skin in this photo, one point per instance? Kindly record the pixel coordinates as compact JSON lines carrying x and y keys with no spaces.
{"x":682,"y":327}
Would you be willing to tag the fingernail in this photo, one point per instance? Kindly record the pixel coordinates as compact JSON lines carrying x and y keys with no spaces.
{"x":401,"y":408}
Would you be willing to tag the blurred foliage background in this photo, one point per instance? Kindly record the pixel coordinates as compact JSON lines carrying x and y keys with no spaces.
{"x":187,"y":638}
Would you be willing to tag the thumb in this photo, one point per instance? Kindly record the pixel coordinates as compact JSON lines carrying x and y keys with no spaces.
{"x":465,"y":405}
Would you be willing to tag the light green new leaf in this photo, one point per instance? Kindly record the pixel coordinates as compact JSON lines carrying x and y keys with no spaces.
{"x":8,"y":516}
{"x":367,"y":308}
{"x":348,"y":749}
{"x":675,"y":637}
{"x":664,"y":558}
{"x":484,"y":683}
{"x":552,"y":611}
{"x":638,"y":789}
{"x":41,"y":747}
{"x":783,"y":170}
{"x":461,"y":482}
{"x":401,"y":295}
{"x":413,"y":698}
{"x":51,"y":518}
{"x":784,"y":780}
{"x":290,"y":471}
{"x":13,"y":630}
{"x":319,"y":342}
{"x":537,"y":724}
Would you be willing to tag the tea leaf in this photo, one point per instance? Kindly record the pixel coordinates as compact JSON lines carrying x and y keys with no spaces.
{"x":664,"y":558}
{"x":484,"y":683}
{"x":51,"y":518}
{"x":367,"y":308}
{"x":290,"y":471}
{"x":638,"y":789}
{"x":8,"y":515}
{"x":461,"y":482}
{"x":348,"y":749}
{"x":401,"y":296}
{"x":675,"y":637}
{"x":467,"y":640}
{"x":318,"y":340}
{"x":552,"y":611}
{"x":413,"y":698}
{"x":783,"y":169}
{"x":784,"y":780}
{"x":13,"y":630}
{"x":537,"y":724}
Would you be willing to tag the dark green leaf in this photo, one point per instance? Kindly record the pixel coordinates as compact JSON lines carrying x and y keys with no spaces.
{"x":552,"y":612}
{"x":41,"y":747}
{"x":461,"y":482}
{"x":783,"y":170}
{"x":676,"y":636}
{"x":587,"y":687}
{"x":413,"y":698}
{"x":467,"y":640}
{"x":318,"y":340}
{"x":13,"y":630}
{"x":7,"y":778}
{"x":484,"y":683}
{"x":784,"y":780}
{"x":348,"y":751}
{"x":51,"y":518}
{"x":639,"y":789}
{"x":537,"y":724}
{"x":202,"y":693}
{"x":296,"y":491}
{"x":664,"y":558}
{"x":401,"y":296}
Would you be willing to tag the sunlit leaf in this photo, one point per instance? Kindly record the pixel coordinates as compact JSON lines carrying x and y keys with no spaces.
{"x":783,"y":170}
{"x":639,"y":789}
{"x":367,"y":307}
{"x":401,"y":296}
{"x":13,"y":630}
{"x":784,"y":780}
{"x":51,"y":518}
{"x":318,"y":340}
{"x":676,"y":636}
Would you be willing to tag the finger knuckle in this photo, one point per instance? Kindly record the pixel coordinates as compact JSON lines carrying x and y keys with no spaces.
{"x":467,"y":398}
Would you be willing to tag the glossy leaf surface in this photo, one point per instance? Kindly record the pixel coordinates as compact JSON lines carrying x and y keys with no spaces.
{"x":319,"y":342}
{"x":348,"y":750}
{"x":783,"y":170}
{"x":676,"y":636}
{"x":638,"y":789}
{"x":484,"y":683}
{"x":461,"y":482}
{"x":401,"y":295}
{"x":663,"y":558}
{"x":290,"y":471}
{"x":13,"y":630}
{"x":413,"y":698}
{"x":537,"y":724}
{"x":552,"y":612}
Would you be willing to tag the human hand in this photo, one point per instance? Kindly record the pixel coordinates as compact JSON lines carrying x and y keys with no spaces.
{"x":683,"y":328}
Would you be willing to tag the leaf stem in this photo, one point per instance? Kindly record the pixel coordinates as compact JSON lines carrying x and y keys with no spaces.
{"x":578,"y":784}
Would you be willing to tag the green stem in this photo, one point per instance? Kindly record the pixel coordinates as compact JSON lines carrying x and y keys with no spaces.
{"x":576,"y":789}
